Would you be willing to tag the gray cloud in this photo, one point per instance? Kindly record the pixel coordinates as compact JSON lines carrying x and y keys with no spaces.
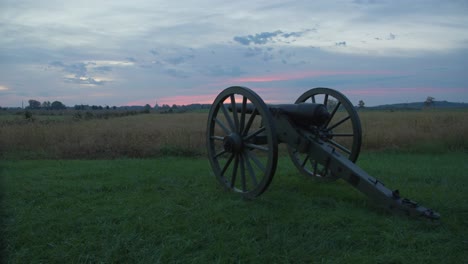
{"x":179,"y":59}
{"x":341,"y":43}
{"x":167,"y":56}
{"x":298,"y":33}
{"x":269,"y":37}
{"x":87,"y":80}
{"x":390,"y":36}
{"x":260,"y":38}
{"x":80,"y":72}
{"x":78,"y":69}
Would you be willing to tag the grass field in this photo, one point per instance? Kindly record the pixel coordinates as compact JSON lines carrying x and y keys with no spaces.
{"x":171,"y":210}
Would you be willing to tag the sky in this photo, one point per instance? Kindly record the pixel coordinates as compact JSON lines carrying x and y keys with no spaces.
{"x":120,"y":52}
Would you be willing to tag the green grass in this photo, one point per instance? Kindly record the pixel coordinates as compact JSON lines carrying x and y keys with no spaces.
{"x":171,"y":210}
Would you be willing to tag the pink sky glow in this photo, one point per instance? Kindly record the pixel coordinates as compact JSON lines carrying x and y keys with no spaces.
{"x":177,"y":100}
{"x":276,"y":95}
{"x":398,"y":90}
{"x":302,"y":75}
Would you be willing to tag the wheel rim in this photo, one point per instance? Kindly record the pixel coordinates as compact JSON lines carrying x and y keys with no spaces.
{"x":242,"y":146}
{"x":342,"y":132}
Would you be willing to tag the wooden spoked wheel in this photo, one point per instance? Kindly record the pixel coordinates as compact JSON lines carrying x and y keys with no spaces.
{"x":241,"y":141}
{"x":342,"y":132}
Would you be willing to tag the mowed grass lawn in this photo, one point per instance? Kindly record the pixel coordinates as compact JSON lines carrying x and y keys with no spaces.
{"x":171,"y":210}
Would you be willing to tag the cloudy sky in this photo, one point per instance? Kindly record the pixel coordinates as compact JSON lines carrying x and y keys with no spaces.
{"x":121,"y":52}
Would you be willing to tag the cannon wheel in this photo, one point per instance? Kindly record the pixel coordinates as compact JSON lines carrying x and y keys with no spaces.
{"x":342,"y":132}
{"x":242,"y":145}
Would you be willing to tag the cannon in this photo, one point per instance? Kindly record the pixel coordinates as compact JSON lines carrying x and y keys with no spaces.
{"x":322,"y":133}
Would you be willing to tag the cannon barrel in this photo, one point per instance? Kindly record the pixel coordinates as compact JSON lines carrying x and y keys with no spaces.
{"x":302,"y":114}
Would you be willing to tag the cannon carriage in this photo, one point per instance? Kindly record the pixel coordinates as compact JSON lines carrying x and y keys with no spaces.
{"x":322,"y":132}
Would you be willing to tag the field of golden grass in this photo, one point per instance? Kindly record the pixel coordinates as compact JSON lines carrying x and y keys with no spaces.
{"x":149,"y":135}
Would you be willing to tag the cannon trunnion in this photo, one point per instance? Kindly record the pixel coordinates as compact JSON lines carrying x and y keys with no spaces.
{"x":323,"y":134}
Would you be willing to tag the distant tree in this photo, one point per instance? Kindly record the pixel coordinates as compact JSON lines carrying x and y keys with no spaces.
{"x":33,"y":104}
{"x":57,"y":105}
{"x":361,"y":104}
{"x":429,"y":101}
{"x":80,"y":107}
{"x":156,"y":106}
{"x":114,"y":107}
{"x":147,"y":109}
{"x":107,"y":107}
{"x":46,"y":105}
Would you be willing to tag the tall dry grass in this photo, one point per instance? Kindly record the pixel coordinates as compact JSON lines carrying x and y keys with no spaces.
{"x":415,"y":130}
{"x":184,"y":134}
{"x":132,"y":136}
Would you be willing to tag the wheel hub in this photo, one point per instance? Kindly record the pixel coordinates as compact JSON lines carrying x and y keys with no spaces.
{"x":233,"y":143}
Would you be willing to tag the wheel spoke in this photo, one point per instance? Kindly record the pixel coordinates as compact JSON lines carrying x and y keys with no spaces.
{"x":325,"y":100}
{"x":234,"y":113}
{"x":227,"y":164}
{"x":250,"y":169}
{"x":234,"y":171}
{"x":338,"y":145}
{"x":254,"y":133}
{"x":313,"y":99}
{"x":220,"y":153}
{"x":253,"y":146}
{"x":255,"y":159}
{"x":339,"y":123}
{"x":221,"y":124}
{"x":242,"y":118}
{"x":228,"y":118}
{"x":333,"y":113}
{"x":250,"y":121}
{"x":217,"y":138}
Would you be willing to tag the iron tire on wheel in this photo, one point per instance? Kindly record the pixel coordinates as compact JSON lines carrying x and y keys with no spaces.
{"x":350,"y":123}
{"x":240,"y":161}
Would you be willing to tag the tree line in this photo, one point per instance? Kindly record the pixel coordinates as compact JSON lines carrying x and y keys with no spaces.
{"x":57,"y":105}
{"x":47,"y":105}
{"x":165,"y":108}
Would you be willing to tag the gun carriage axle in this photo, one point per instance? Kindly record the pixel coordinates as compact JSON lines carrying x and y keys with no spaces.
{"x":323,"y":134}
